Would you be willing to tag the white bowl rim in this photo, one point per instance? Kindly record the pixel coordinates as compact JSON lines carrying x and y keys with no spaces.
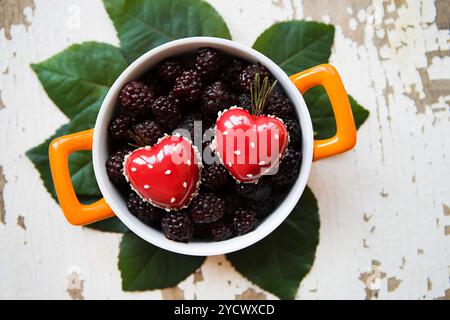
{"x":156,"y":237}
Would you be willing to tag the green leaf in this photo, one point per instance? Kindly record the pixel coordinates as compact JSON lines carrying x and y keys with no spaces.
{"x":280,"y":261}
{"x":322,"y":114}
{"x":145,"y":24}
{"x":109,"y":225}
{"x":146,"y":267}
{"x":80,"y":75}
{"x":296,"y":45}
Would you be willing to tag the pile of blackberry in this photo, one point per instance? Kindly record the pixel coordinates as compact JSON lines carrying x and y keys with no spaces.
{"x":174,"y":94}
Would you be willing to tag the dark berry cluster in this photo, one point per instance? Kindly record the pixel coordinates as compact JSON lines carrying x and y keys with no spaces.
{"x":174,"y":95}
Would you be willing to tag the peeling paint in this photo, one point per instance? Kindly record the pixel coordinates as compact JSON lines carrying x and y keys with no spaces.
{"x":446,"y":296}
{"x":366,"y":217}
{"x":251,"y":294}
{"x":393,"y":283}
{"x":403,"y":263}
{"x":365,"y":244}
{"x":174,"y":293}
{"x":429,"y":284}
{"x":443,"y":13}
{"x":2,"y":104}
{"x":75,"y":285}
{"x":12,"y":12}
{"x":384,"y":194}
{"x":372,"y":280}
{"x":198,"y":276}
{"x":21,"y":222}
{"x":420,"y":251}
{"x":447,"y":230}
{"x":2,"y":202}
{"x":446,"y":209}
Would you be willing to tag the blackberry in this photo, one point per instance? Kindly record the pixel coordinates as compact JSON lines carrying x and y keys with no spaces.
{"x":114,"y":167}
{"x":232,"y":71}
{"x":177,"y":226}
{"x":147,"y":133}
{"x":169,"y":70}
{"x":295,"y":134}
{"x":255,"y":191}
{"x":137,"y":97}
{"x":262,"y":208}
{"x":188,"y":86}
{"x":202,"y":230}
{"x":221,"y":230}
{"x":215,"y":98}
{"x":214,"y":177}
{"x":244,"y":102}
{"x":278,"y":105}
{"x":188,"y":125}
{"x":247,"y":75}
{"x":167,"y":111}
{"x":143,"y":210}
{"x":244,"y":220}
{"x":289,"y":167}
{"x":207,"y":62}
{"x":207,"y":207}
{"x":152,"y":80}
{"x":232,"y":203}
{"x":119,"y":128}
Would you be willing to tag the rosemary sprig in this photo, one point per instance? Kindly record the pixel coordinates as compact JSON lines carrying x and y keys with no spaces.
{"x":137,"y":139}
{"x":260,"y":93}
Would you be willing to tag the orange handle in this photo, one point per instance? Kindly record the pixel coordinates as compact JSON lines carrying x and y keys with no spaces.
{"x":76,"y":213}
{"x":327,"y":76}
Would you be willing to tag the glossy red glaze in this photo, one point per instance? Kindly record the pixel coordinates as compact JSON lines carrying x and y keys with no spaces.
{"x":249,"y":146}
{"x":166,"y":174}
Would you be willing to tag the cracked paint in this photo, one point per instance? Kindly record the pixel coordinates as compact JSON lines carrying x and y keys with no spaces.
{"x":12,"y":12}
{"x":2,"y":202}
{"x":251,"y":294}
{"x":429,"y":284}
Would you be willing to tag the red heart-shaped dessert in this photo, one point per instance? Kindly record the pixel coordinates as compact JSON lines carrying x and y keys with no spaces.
{"x":167,"y":174}
{"x":249,"y":146}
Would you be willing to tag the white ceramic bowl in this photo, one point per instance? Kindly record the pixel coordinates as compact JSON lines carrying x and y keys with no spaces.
{"x":100,"y":148}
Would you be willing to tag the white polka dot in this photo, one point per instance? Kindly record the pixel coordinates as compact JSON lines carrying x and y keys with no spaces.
{"x":146,"y":186}
{"x":237,"y":152}
{"x":277,"y":136}
{"x":172,"y":200}
{"x":225,"y":133}
{"x":252,"y":145}
{"x":133,"y":169}
{"x":249,"y":175}
{"x":168,"y":172}
{"x":229,"y":164}
{"x":261,"y":163}
{"x":150,"y":166}
{"x":188,"y":162}
{"x":185,"y":184}
{"x":147,"y":148}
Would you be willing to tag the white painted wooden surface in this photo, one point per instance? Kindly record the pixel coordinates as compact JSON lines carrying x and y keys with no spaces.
{"x":382,"y":206}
